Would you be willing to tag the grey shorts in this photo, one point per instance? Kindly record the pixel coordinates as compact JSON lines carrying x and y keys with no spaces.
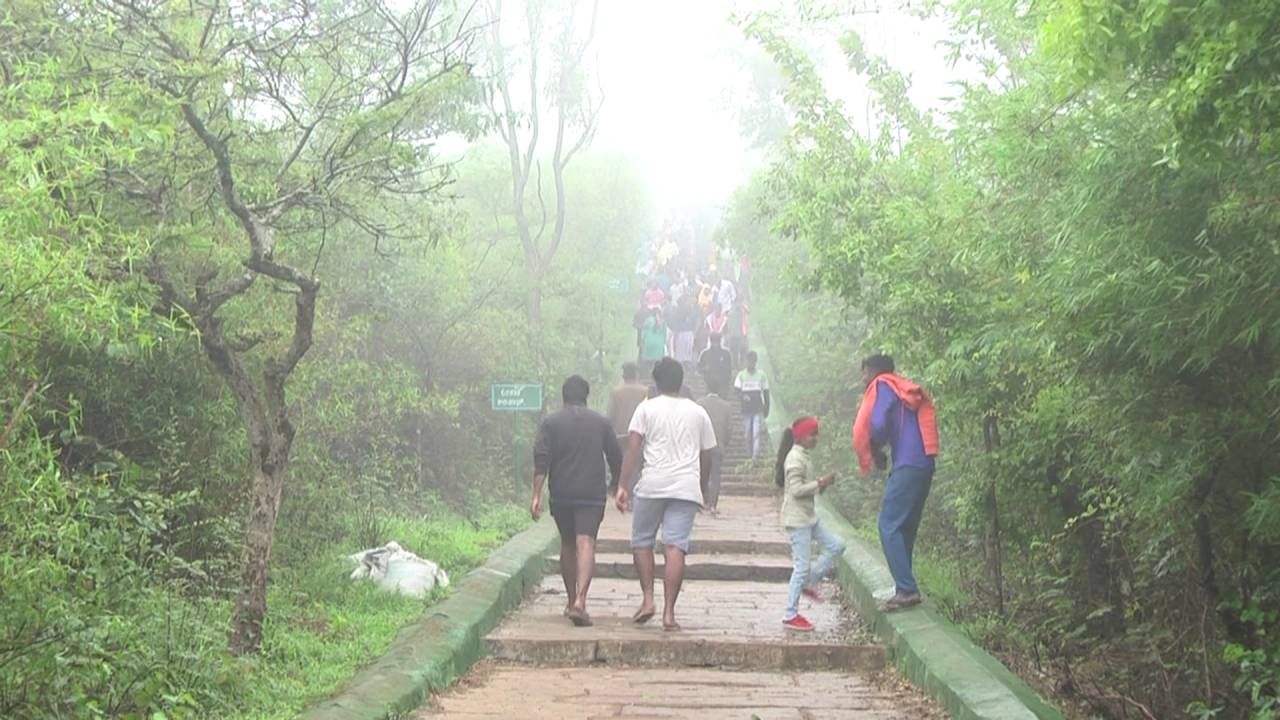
{"x":674,"y":516}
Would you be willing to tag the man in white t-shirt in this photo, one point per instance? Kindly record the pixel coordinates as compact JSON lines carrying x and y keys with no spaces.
{"x":676,"y":437}
{"x":754,"y":387}
{"x":726,"y":294}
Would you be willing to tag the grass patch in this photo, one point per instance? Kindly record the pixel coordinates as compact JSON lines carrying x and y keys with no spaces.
{"x":321,"y":627}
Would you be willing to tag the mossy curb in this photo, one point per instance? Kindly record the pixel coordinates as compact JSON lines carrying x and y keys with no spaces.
{"x":930,"y":651}
{"x":431,"y":653}
{"x":926,"y":647}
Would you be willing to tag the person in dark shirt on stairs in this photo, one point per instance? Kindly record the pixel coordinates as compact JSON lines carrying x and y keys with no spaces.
{"x":571,"y":450}
{"x":716,"y":364}
{"x":720,"y":411}
{"x":625,"y":398}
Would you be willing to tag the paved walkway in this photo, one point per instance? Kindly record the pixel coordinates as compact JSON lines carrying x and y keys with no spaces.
{"x":733,"y":659}
{"x":496,"y":691}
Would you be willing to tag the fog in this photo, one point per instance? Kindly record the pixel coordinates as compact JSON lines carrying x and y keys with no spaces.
{"x":677,"y":75}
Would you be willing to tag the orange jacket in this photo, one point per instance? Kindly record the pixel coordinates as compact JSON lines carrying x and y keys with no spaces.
{"x":911,"y":395}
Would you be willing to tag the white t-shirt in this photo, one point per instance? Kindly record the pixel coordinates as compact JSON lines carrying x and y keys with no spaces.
{"x":676,"y":431}
{"x":726,"y":294}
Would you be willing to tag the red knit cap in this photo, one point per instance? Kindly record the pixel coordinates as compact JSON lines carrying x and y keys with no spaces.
{"x":804,"y":427}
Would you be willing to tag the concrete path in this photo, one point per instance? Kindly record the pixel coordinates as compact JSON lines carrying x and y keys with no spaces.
{"x":733,"y":658}
{"x":496,"y":691}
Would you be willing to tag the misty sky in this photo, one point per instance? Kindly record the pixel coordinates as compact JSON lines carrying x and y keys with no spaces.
{"x":671,"y":71}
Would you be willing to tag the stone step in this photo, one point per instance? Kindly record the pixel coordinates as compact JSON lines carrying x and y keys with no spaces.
{"x":706,"y":547}
{"x":499,"y":691}
{"x":658,"y":649}
{"x":725,"y":624}
{"x":747,"y":479}
{"x":754,"y":568}
{"x":743,"y":489}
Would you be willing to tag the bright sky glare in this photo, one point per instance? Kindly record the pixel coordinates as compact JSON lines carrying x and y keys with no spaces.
{"x":671,"y":68}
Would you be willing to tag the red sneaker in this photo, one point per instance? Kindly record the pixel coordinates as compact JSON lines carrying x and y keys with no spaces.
{"x":812,"y":594}
{"x":799,"y":623}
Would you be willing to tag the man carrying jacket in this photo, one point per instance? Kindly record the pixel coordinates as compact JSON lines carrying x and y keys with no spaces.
{"x":897,"y":412}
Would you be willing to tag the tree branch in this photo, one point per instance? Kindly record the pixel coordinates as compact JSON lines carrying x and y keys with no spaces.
{"x":260,"y":241}
{"x":17,"y":414}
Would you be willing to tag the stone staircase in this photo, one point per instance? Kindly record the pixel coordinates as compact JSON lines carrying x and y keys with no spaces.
{"x":736,"y":456}
{"x":732,"y":659}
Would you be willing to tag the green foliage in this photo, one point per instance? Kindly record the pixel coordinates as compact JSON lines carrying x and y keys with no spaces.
{"x":102,"y":619}
{"x":95,"y":621}
{"x":1084,"y":259}
{"x":122,"y":452}
{"x":1212,"y":67}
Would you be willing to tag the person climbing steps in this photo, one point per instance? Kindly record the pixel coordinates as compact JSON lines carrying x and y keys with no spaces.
{"x":793,"y":472}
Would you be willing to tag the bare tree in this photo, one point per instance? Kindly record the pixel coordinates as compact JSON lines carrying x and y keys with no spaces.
{"x":553,"y":35}
{"x":300,"y":122}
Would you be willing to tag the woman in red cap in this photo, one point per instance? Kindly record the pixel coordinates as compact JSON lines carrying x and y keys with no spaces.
{"x":794,"y":473}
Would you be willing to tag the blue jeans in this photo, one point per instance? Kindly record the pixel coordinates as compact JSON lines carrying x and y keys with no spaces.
{"x":900,"y":513}
{"x":752,"y":429}
{"x":801,"y":549}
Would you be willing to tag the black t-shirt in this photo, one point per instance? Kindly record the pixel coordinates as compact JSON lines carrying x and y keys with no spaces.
{"x":572,"y":449}
{"x":716,"y":362}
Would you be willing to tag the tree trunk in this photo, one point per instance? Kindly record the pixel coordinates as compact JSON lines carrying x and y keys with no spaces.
{"x":272,"y":442}
{"x":991,"y":546}
{"x":539,"y":252}
{"x":264,"y":413}
{"x":1094,"y":552}
{"x":251,"y":605}
{"x":991,"y":536}
{"x":1202,"y":526}
{"x":533,"y":318}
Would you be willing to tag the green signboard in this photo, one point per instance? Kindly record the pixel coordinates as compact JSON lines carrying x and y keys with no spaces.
{"x":515,"y":397}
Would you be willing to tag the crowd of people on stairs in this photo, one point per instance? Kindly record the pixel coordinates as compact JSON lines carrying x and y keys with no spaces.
{"x":664,"y":450}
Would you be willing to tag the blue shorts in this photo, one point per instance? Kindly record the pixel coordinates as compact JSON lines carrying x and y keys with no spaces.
{"x":674,"y":516}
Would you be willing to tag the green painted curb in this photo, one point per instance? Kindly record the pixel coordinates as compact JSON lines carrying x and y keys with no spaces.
{"x":930,"y":651}
{"x":926,"y":647}
{"x":429,"y":654}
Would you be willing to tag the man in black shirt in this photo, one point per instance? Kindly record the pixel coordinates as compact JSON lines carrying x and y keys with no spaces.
{"x":572,"y":448}
{"x":716,"y":364}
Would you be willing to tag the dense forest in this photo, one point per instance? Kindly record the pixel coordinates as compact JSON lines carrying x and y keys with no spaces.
{"x":252,"y":297}
{"x":249,"y":315}
{"x":1081,"y":263}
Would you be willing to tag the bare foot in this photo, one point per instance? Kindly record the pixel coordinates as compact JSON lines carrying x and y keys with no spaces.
{"x":643,"y":615}
{"x":579,"y":618}
{"x":669,"y":624}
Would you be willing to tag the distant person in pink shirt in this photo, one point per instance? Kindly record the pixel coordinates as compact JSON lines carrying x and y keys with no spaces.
{"x":717,"y":320}
{"x":654,"y":297}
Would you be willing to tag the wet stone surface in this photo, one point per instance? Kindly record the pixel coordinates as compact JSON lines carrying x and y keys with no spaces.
{"x":732,"y":658}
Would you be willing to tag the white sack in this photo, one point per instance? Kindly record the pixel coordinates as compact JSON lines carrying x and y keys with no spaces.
{"x":394,"y":568}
